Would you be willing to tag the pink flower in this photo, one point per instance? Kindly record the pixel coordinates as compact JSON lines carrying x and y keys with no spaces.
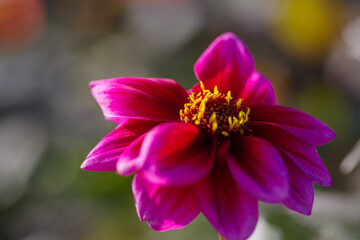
{"x":217,"y":149}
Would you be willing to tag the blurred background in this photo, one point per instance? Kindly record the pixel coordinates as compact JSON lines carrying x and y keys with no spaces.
{"x":51,"y":49}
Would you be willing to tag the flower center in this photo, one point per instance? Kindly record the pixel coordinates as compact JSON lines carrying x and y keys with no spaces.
{"x":216,"y":113}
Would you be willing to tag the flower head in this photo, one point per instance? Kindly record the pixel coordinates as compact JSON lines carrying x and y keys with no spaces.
{"x":216,"y":149}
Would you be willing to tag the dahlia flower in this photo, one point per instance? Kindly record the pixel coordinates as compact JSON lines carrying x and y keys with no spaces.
{"x":216,"y":149}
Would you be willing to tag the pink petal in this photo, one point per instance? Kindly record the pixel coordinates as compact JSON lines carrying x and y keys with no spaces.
{"x":298,"y":123}
{"x":222,"y":151}
{"x":164,"y":208}
{"x":258,"y":90}
{"x":303,"y":154}
{"x":129,"y":161}
{"x":231,"y":211}
{"x":301,"y":195}
{"x":176,"y":154}
{"x":107,"y":152}
{"x":139,"y":98}
{"x":258,"y":168}
{"x":195,"y":89}
{"x":226,"y":63}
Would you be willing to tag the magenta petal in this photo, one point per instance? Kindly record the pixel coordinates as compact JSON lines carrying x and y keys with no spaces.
{"x":164,"y":208}
{"x":231,"y":211}
{"x":303,"y":154}
{"x":301,"y":195}
{"x":258,"y":168}
{"x":176,"y":154}
{"x":195,"y":89}
{"x":139,"y":98}
{"x":107,"y":152}
{"x":298,"y":123}
{"x":129,"y":161}
{"x":226,"y":63}
{"x":258,"y":90}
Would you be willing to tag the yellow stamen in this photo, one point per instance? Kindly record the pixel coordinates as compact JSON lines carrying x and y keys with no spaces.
{"x":216,"y":94}
{"x":215,"y":112}
{"x":235,"y":122}
{"x":202,"y":87}
{"x":247,"y":114}
{"x":208,"y":96}
{"x":200,"y":116}
{"x":214,"y":126}
{"x":181,"y":115}
{"x":196,"y":101}
{"x":238,"y":104}
{"x":228,"y":97}
{"x":192,"y":97}
{"x":241,"y":117}
{"x":202,"y":106}
{"x":201,"y":112}
{"x":186,"y":110}
{"x":212,"y":117}
{"x":230,"y":122}
{"x":226,"y":134}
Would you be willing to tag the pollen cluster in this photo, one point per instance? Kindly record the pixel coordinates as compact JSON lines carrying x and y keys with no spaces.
{"x":215,"y":112}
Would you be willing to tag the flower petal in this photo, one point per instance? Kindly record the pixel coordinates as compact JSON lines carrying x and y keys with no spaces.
{"x":176,"y":154}
{"x":231,"y":211}
{"x":129,"y":160}
{"x":303,"y":154}
{"x":195,"y":89}
{"x":226,"y":63}
{"x":106,"y":153}
{"x":139,"y":98}
{"x":258,"y":168}
{"x":258,"y":90}
{"x":301,"y":195}
{"x":164,"y":208}
{"x":298,"y":123}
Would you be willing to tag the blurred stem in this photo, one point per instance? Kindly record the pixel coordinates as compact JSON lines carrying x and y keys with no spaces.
{"x":221,"y":237}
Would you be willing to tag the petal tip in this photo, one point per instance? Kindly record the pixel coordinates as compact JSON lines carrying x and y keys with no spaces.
{"x":325,"y":180}
{"x":307,"y":212}
{"x":328,"y":183}
{"x":83,"y":166}
{"x":328,"y":134}
{"x":165,"y":226}
{"x":302,"y":210}
{"x":125,"y":169}
{"x":228,"y":35}
{"x":89,"y":165}
{"x":332,"y":135}
{"x":92,"y":84}
{"x":86,"y":165}
{"x":227,"y":63}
